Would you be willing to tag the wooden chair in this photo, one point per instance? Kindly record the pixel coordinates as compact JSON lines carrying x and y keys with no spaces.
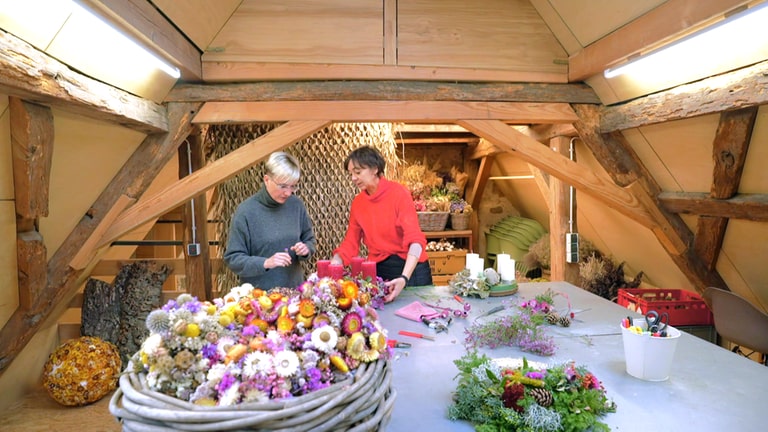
{"x":738,"y":321}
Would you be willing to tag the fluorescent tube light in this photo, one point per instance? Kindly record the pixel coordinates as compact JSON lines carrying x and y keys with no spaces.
{"x":121,"y":48}
{"x":511,"y":177}
{"x":713,"y":43}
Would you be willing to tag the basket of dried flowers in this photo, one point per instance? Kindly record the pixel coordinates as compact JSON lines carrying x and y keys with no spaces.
{"x":362,"y":402}
{"x":432,"y":221}
{"x":315,"y":358}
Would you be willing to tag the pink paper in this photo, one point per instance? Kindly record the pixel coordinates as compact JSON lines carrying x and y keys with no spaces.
{"x":414,"y":311}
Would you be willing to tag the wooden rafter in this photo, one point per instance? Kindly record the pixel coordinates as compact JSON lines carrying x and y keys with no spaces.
{"x":239,"y":71}
{"x":390,"y":111}
{"x":729,"y":152}
{"x":63,"y":281}
{"x":211,"y":175}
{"x":752,"y":207}
{"x":539,"y":155}
{"x":382,"y":91}
{"x":626,"y":169}
{"x":36,"y":77}
{"x":742,"y":88}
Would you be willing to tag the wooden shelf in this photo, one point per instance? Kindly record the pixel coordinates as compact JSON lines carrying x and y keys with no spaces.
{"x":466,"y":234}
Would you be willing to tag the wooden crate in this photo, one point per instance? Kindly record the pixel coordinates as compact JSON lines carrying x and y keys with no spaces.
{"x":441,"y":280}
{"x":447,"y":263}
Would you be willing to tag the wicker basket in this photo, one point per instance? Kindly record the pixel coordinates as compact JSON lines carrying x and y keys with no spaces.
{"x":363,"y":402}
{"x":459,"y":221}
{"x":432,"y":221}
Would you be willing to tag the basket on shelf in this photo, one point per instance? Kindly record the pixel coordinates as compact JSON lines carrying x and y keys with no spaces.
{"x":362,"y":402}
{"x":432,"y":221}
{"x":459,"y":221}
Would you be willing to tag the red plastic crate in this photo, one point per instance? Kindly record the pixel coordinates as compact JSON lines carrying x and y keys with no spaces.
{"x":683,"y":307}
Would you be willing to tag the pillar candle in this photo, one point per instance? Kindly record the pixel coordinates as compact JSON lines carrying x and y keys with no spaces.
{"x":476,"y":267}
{"x":369,"y":270}
{"x":356,"y":266}
{"x":506,"y":267}
{"x":471,"y":257}
{"x":337,"y":271}
{"x":322,"y":268}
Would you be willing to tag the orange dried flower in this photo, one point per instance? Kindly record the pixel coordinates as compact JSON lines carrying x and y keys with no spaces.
{"x":306,"y":308}
{"x":349,"y":289}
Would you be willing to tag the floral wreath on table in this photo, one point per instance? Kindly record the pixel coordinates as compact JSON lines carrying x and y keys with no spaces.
{"x":252,"y":345}
{"x":515,"y":395}
{"x":481,"y":286}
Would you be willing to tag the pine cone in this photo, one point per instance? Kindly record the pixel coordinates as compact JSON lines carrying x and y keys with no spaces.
{"x":552,"y":317}
{"x":564,"y":321}
{"x":542,"y":396}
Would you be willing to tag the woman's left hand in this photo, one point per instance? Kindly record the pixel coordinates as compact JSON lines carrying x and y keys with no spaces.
{"x":301,"y":249}
{"x":395,"y":286}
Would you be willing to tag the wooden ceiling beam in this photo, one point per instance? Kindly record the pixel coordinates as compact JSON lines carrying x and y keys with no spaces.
{"x":623,"y":165}
{"x":63,"y":281}
{"x":752,"y":207}
{"x":383,"y":91}
{"x":384,"y":111}
{"x":729,"y":151}
{"x":657,"y":25}
{"x":540,"y":155}
{"x":210,"y":175}
{"x":741,"y":88}
{"x":231,"y":71}
{"x":34,"y":76}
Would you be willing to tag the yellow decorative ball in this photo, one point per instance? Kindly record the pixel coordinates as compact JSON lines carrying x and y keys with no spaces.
{"x":82,"y":371}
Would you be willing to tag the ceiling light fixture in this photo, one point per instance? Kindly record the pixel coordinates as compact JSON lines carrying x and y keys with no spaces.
{"x":710,"y":44}
{"x":121,"y":48}
{"x":511,"y":177}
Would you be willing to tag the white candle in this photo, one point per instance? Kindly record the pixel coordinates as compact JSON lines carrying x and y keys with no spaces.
{"x":471,"y":257}
{"x":476,"y":266}
{"x":506,"y":267}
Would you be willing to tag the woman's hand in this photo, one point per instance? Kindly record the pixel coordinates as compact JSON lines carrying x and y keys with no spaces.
{"x":280,"y":259}
{"x":396,"y":286}
{"x":301,"y":249}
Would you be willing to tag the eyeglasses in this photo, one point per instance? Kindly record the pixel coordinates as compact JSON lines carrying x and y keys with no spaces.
{"x":285,"y":187}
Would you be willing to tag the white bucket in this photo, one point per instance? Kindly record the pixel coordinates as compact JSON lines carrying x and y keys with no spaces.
{"x":649,"y":358}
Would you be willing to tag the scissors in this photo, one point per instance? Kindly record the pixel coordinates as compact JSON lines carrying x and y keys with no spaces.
{"x":656,"y":322}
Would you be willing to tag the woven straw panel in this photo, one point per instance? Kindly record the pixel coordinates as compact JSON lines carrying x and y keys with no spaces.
{"x":324,"y":186}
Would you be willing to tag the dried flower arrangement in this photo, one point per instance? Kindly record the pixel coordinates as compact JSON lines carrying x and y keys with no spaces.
{"x":598,"y":273}
{"x":513,"y":394}
{"x":434,"y":192}
{"x":253,"y":346}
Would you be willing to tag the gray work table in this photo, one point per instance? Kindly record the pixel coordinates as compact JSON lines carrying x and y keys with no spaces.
{"x":709,"y":389}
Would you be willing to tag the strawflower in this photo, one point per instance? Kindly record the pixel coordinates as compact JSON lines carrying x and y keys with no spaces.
{"x":253,"y":345}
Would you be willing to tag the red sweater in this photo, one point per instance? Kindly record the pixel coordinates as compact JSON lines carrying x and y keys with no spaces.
{"x":386,"y":222}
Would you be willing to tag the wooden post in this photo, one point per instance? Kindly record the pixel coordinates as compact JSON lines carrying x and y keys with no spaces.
{"x":561,"y":220}
{"x":195,"y":223}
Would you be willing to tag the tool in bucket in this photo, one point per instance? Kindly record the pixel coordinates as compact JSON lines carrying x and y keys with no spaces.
{"x":657,"y":323}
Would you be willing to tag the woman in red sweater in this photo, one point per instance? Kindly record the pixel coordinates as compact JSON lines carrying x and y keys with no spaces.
{"x":383,"y":217}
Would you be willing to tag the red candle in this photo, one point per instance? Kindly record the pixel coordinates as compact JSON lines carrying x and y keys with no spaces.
{"x":337,"y":271}
{"x":369,"y":270}
{"x":357,"y":265}
{"x":322,"y":268}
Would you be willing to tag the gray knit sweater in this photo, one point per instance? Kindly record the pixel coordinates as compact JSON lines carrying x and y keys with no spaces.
{"x":261,"y":227}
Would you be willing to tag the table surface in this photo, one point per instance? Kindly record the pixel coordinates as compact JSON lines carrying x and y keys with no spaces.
{"x":709,"y":389}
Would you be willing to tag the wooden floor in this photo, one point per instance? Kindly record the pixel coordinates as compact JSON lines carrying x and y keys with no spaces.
{"x":39,"y":412}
